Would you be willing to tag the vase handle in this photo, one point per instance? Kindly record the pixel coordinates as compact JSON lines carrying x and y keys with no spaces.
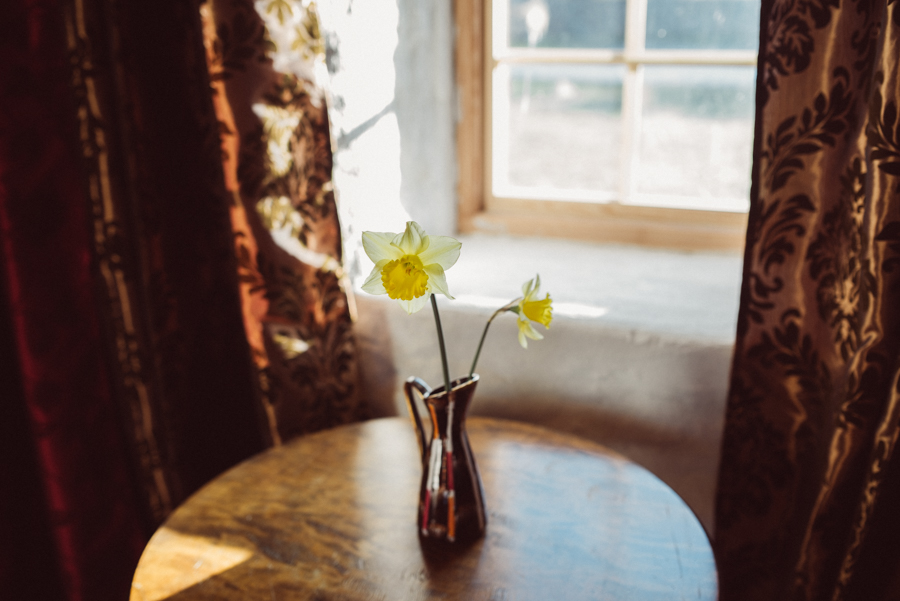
{"x":417,"y":384}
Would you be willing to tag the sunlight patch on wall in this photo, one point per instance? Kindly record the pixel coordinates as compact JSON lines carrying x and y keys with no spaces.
{"x":362,"y":44}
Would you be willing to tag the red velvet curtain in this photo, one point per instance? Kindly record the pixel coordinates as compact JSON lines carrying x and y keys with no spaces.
{"x":69,"y":521}
{"x":128,"y":376}
{"x":809,"y":484}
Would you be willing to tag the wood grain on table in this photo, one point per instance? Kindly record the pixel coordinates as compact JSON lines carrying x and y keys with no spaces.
{"x":332,"y":516}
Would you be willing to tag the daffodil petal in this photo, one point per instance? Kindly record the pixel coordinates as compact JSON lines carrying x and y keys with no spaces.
{"x":378,"y":246}
{"x":436,"y":279}
{"x":527,"y":288}
{"x":373,"y":283}
{"x":413,"y":241}
{"x":442,"y":250}
{"x":415,"y":305}
{"x":526,"y":328}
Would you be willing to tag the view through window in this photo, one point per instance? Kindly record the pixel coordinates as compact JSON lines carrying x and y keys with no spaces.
{"x":640,"y":102}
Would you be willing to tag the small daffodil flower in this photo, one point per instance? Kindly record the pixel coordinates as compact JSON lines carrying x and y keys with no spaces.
{"x":409,"y":266}
{"x":528,"y":308}
{"x":532,"y":308}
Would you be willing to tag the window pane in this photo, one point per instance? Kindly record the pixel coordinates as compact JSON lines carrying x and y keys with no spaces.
{"x":697,"y":134}
{"x":557,"y":126}
{"x":567,"y":23}
{"x":699,"y":24}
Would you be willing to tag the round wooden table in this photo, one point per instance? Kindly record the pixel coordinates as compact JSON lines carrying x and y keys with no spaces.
{"x":332,"y":516}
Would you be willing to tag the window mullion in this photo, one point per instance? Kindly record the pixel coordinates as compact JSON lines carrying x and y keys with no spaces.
{"x":500,"y":128}
{"x":635,"y":28}
{"x":493,"y":13}
{"x":498,"y":26}
{"x":632,"y":92}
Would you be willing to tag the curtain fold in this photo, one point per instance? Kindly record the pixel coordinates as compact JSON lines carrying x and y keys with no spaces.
{"x":172,"y":292}
{"x":166,"y":274}
{"x":71,"y":521}
{"x":809,"y":478}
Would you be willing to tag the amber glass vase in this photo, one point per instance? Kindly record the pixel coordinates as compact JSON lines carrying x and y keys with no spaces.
{"x":451,"y":497}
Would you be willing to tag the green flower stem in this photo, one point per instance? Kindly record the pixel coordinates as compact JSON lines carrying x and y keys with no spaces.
{"x":440,"y":333}
{"x":503,"y":309}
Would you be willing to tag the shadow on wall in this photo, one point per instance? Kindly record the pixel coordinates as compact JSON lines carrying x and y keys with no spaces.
{"x":375,"y":348}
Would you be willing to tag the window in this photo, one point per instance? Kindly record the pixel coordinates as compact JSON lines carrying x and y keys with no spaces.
{"x":617,"y":120}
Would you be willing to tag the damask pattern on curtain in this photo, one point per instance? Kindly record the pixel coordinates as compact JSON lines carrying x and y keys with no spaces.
{"x":266,"y":62}
{"x":809,"y":483}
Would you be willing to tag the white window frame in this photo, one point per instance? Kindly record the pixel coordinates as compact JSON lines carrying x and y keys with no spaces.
{"x":619,"y":218}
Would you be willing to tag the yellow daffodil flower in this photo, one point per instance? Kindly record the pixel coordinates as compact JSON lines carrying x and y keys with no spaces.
{"x":530,"y":308}
{"x":409,"y":266}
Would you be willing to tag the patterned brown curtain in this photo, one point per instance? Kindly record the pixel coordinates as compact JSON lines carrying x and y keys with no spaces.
{"x":809,"y":484}
{"x":267,"y":65}
{"x":171,"y":296}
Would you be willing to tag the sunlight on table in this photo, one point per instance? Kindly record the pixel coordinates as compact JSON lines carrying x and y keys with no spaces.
{"x":182,"y":562}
